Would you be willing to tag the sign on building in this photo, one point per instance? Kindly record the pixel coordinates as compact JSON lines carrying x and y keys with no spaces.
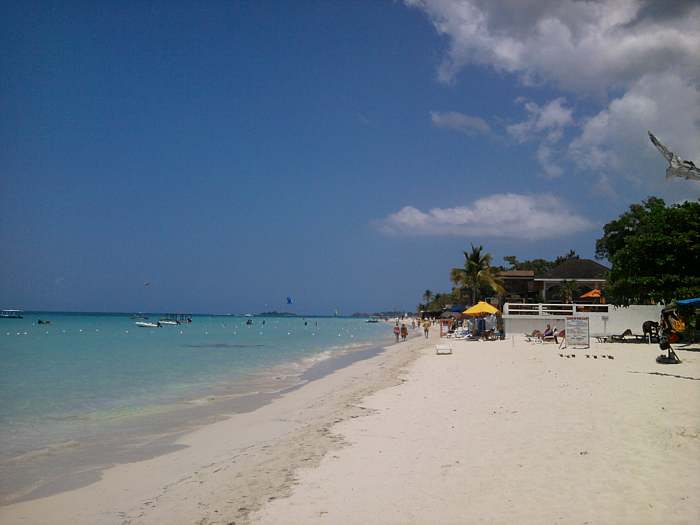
{"x":577,"y":332}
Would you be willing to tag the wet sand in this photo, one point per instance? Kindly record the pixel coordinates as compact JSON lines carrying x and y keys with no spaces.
{"x":498,"y":432}
{"x":228,"y":467}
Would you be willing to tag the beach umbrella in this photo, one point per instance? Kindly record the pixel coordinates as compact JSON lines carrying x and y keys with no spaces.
{"x":591,"y":294}
{"x":481,"y":308}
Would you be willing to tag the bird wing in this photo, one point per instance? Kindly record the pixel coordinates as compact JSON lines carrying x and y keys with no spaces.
{"x":663,"y":149}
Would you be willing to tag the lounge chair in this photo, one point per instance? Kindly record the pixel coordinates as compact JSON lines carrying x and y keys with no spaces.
{"x":552,"y":337}
{"x":443,"y":349}
{"x":626,"y":337}
{"x":534,"y":337}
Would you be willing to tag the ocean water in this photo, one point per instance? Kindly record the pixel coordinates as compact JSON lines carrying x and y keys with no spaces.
{"x":83,"y":374}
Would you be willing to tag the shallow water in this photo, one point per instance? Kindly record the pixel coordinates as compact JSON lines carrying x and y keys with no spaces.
{"x":69,"y":381}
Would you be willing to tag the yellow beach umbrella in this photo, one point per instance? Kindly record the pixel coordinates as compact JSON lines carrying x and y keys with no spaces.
{"x":592,"y":293}
{"x":481,"y":308}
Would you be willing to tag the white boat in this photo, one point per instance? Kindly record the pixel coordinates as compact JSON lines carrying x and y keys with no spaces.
{"x":11,"y":314}
{"x":168,"y":321}
{"x":144,"y":324}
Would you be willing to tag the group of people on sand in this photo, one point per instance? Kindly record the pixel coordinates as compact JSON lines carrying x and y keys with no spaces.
{"x":401,"y":331}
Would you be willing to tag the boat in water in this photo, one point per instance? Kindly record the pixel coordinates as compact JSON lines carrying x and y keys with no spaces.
{"x":168,"y":321}
{"x":144,"y":324}
{"x":372,"y":320}
{"x":11,"y":314}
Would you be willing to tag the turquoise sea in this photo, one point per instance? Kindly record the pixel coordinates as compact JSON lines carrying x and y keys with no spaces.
{"x":83,"y":374}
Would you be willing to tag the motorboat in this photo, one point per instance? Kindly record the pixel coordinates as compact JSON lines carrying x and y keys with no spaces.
{"x":11,"y":314}
{"x":372,"y":320}
{"x":144,"y":324}
{"x":168,"y":321}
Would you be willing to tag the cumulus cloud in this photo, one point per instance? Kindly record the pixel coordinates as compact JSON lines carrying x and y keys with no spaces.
{"x":580,"y":45}
{"x":507,"y":215}
{"x":639,"y":59}
{"x":460,"y":122}
{"x":667,"y":105}
{"x":545,"y":124}
{"x":551,"y":118}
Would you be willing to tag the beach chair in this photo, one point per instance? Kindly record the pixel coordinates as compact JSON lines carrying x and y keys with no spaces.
{"x":534,"y":337}
{"x":552,"y":338}
{"x":626,"y":337}
{"x":443,"y":349}
{"x":461,"y":333}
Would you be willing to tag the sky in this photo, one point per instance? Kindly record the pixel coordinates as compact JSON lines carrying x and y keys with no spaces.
{"x":345,"y":154}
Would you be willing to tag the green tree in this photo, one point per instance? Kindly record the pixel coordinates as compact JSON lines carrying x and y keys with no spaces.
{"x":539,"y":266}
{"x":562,"y":258}
{"x":477,"y":271}
{"x":568,"y":291}
{"x":654,"y":251}
{"x":427,"y":296}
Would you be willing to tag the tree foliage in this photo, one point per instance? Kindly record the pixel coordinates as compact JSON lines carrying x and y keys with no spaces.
{"x":475,"y":273}
{"x":539,"y":266}
{"x":568,"y":290}
{"x":655,"y":252}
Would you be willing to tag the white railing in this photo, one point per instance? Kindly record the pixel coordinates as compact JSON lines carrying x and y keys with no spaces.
{"x":551,"y":310}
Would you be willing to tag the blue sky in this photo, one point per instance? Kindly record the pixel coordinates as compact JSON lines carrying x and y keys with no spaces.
{"x":342,"y":153}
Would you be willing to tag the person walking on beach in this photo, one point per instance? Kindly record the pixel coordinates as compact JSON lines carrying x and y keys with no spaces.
{"x":404,"y":331}
{"x":426,"y":328}
{"x":397,"y":332}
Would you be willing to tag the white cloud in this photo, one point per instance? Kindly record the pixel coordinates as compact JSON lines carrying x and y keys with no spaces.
{"x":460,"y":122}
{"x":546,"y":158}
{"x":545,"y":124}
{"x":582,"y":46}
{"x":645,"y":54}
{"x":507,"y":215}
{"x":551,"y":118}
{"x":615,"y":139}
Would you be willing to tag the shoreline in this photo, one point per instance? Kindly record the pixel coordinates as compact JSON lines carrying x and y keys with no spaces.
{"x":501,"y":432}
{"x":273,"y":427}
{"x":100,"y":441}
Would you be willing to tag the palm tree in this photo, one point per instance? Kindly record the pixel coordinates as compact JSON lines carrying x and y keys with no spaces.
{"x":427,"y":296}
{"x":567,"y":291}
{"x":477,"y":272}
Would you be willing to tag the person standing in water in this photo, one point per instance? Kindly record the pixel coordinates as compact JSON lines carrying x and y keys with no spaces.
{"x":397,"y":332}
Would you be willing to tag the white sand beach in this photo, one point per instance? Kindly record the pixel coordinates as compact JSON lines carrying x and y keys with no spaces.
{"x":497,"y":432}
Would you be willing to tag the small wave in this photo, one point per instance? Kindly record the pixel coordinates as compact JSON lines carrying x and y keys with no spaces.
{"x":223,"y":345}
{"x":46,"y":451}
